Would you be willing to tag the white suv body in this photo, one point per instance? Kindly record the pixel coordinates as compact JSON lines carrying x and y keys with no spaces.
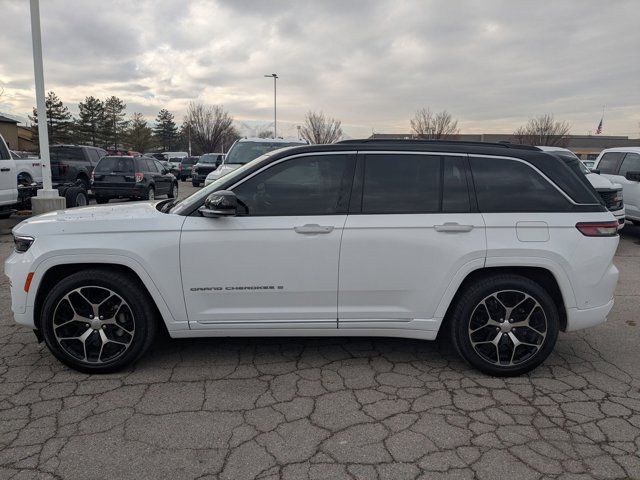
{"x":610,"y":192}
{"x":622,"y":165}
{"x":496,"y":241}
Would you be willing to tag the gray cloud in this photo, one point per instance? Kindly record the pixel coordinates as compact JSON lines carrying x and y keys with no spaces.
{"x":493,"y":64}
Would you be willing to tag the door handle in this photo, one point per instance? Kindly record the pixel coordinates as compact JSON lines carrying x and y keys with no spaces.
{"x":453,"y":227}
{"x":313,"y":228}
{"x":5,"y":169}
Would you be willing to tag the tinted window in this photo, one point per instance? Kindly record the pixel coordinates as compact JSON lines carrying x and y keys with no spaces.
{"x":609,"y":162}
{"x":396,"y":183}
{"x":115,"y":164}
{"x":94,"y":155}
{"x":455,"y":192}
{"x":511,"y":186}
{"x":631,"y":163}
{"x":151,"y":165}
{"x":189,"y":160}
{"x":312,"y":185}
{"x":161,"y":168}
{"x":66,"y":153}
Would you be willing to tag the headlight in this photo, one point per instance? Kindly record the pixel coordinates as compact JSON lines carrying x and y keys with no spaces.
{"x":22,"y":243}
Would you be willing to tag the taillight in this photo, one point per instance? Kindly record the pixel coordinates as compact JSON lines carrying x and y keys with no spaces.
{"x":179,"y":166}
{"x":598,"y":229}
{"x":139,"y":177}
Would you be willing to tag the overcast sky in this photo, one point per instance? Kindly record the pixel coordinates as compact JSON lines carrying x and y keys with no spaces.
{"x":492,"y":64}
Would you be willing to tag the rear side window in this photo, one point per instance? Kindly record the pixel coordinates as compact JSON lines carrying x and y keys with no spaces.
{"x":631,"y":163}
{"x":609,"y":162}
{"x":94,"y":155}
{"x":61,"y":154}
{"x":115,"y":164}
{"x":396,"y":183}
{"x":510,"y":186}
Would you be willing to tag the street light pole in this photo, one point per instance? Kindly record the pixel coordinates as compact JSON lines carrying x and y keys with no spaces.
{"x":47,"y":198}
{"x":275,"y":114}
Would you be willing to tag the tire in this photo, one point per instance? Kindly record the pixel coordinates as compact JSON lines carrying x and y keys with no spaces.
{"x":85,"y":183}
{"x":150,"y":194}
{"x":132,"y":323}
{"x":24,"y":179}
{"x":173,"y":190}
{"x":195,"y":183}
{"x":76,"y":197}
{"x":102,"y":200}
{"x":479,"y":314}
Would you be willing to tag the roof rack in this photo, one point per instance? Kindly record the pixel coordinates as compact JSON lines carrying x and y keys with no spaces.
{"x":441,"y":142}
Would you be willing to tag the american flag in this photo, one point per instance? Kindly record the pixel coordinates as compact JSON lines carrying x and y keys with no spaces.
{"x":599,"y":129}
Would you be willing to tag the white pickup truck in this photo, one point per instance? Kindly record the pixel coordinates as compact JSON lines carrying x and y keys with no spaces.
{"x":8,"y":181}
{"x":28,"y":168}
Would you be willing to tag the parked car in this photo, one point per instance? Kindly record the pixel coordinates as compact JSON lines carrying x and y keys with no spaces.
{"x":589,"y":163}
{"x":498,"y":247}
{"x":132,"y":177}
{"x":208,"y":163}
{"x":186,"y":165}
{"x":71,"y":163}
{"x":610,"y":193}
{"x":622,"y":165}
{"x":246,"y":149}
{"x":175,"y":158}
{"x":28,"y":168}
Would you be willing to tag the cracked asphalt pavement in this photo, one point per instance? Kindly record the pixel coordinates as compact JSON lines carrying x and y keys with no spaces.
{"x":358,"y":408}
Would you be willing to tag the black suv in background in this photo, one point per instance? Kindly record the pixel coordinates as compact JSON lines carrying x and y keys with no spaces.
{"x":186,"y":167}
{"x":132,"y":177}
{"x":208,"y":163}
{"x":70,"y":163}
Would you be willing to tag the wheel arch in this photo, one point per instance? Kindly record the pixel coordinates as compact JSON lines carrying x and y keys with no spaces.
{"x":55,"y":273}
{"x":541,"y":275}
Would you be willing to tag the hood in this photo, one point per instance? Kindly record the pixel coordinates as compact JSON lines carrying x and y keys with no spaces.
{"x":600,"y":182}
{"x":128,"y":217}
{"x":223,"y":169}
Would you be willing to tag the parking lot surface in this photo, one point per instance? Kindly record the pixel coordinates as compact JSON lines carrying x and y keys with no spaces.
{"x":358,"y":408}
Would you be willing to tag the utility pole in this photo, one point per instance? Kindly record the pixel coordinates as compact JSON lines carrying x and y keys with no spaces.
{"x":275,"y":112}
{"x":47,"y":199}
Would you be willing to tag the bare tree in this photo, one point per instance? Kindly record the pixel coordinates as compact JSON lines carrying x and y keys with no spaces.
{"x":320,"y":129}
{"x":265,"y":134}
{"x":434,"y":126}
{"x":209,"y":125}
{"x":543,"y":130}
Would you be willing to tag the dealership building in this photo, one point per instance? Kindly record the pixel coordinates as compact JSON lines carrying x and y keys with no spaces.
{"x":587,"y":147}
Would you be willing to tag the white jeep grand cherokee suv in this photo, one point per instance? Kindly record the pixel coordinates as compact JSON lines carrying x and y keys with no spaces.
{"x":497,"y":246}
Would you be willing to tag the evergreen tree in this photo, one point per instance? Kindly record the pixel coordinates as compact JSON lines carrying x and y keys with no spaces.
{"x":59,"y":122}
{"x":165,"y":131}
{"x":91,"y":120}
{"x":139,"y":135}
{"x":114,"y":124}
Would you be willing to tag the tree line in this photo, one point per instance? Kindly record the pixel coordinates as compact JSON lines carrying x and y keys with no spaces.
{"x":104,"y":123}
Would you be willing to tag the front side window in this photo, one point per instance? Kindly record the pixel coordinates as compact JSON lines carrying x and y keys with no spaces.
{"x":309,"y":185}
{"x":631,"y":163}
{"x":504,"y":185}
{"x":401,"y":183}
{"x":609,"y":162}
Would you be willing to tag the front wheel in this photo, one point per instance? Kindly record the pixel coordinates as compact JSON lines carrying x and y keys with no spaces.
{"x":97,"y":321}
{"x":505,"y":325}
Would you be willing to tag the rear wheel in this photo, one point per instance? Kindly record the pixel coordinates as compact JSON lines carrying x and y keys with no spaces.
{"x":505,"y":325}
{"x":85,"y":182}
{"x":150,"y":194}
{"x":24,"y":179}
{"x":76,"y":197}
{"x":97,"y":321}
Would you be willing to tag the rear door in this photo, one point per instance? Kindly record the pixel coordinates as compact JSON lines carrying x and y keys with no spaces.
{"x":412,"y":228}
{"x":161,"y":181}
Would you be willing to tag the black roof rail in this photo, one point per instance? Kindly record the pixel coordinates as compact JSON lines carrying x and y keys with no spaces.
{"x":440,"y":142}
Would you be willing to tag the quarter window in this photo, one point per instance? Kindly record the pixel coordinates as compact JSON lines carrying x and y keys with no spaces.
{"x":609,"y":162}
{"x":510,"y":186}
{"x":631,"y":163}
{"x":398,"y":183}
{"x":310,"y":185}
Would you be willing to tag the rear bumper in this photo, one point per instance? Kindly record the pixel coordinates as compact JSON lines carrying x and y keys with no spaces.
{"x":136,"y":191}
{"x":589,"y":317}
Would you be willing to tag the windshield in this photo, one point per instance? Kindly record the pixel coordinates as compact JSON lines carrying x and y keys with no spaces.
{"x":209,"y":158}
{"x":189,"y":202}
{"x":243,"y":152}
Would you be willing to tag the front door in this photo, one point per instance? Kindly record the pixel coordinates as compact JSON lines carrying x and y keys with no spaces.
{"x":8,"y":179}
{"x":631,"y":188}
{"x":416,"y":229}
{"x":276,"y":262}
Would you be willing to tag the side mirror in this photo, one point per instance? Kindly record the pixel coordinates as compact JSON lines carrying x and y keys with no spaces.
{"x":220,"y":204}
{"x":595,"y":170}
{"x":633,"y":176}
